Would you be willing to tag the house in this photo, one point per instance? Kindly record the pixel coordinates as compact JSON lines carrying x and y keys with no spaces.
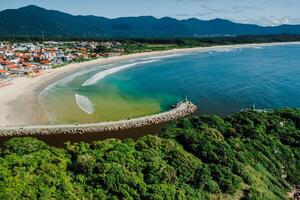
{"x":2,"y":72}
{"x":45,"y":62}
{"x":12,"y":67}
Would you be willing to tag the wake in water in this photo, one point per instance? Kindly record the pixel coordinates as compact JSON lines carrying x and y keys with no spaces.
{"x":97,"y":77}
{"x":84,"y":104}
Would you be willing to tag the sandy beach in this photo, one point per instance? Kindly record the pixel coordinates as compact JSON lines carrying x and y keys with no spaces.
{"x":19,"y":102}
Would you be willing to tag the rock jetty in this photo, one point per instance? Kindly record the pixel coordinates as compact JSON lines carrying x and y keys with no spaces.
{"x":182,"y":109}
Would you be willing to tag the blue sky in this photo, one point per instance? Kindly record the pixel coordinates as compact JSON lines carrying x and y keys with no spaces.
{"x":263,"y":12}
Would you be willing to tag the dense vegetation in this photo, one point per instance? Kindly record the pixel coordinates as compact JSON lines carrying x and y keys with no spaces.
{"x":142,"y":45}
{"x":160,"y":44}
{"x":249,"y":155}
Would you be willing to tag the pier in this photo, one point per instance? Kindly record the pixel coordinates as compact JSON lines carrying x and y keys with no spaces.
{"x":182,"y":109}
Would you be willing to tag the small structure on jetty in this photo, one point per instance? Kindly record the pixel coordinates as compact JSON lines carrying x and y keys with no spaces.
{"x":182,"y":109}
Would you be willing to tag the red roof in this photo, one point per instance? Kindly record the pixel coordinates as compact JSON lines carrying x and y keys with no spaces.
{"x":12,"y":66}
{"x":4,"y":62}
{"x":29,"y":65}
{"x":2,"y":71}
{"x":45,"y":61}
{"x":20,"y":55}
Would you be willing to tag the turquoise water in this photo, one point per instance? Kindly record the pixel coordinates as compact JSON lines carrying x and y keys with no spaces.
{"x":218,"y":82}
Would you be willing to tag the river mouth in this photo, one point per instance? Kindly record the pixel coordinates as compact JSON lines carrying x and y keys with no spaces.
{"x":61,"y":140}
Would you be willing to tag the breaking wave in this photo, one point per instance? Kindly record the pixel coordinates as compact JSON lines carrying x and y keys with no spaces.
{"x":166,"y":56}
{"x":94,"y":79}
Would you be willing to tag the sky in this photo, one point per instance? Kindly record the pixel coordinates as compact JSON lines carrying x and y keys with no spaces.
{"x":262,"y":12}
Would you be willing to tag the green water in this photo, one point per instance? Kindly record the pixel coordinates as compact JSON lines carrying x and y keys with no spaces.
{"x":112,"y":99}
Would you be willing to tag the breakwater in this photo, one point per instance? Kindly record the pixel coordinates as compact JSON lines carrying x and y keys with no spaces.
{"x":182,"y":109}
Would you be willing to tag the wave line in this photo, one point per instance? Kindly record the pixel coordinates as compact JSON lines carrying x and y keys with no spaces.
{"x":97,"y":77}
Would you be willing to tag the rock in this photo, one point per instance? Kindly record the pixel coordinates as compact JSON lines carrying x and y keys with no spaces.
{"x":182,"y":109}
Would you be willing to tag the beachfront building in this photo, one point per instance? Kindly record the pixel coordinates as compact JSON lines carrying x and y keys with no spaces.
{"x":29,"y":59}
{"x":3,"y":73}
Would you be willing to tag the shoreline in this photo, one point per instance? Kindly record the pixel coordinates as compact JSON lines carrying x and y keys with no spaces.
{"x":20,"y":103}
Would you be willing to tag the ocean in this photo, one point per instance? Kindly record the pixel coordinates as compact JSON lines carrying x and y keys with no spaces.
{"x":218,"y":82}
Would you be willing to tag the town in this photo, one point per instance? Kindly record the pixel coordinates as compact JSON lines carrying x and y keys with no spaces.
{"x":32,"y":59}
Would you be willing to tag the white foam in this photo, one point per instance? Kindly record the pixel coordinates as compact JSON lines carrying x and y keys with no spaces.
{"x":166,"y":56}
{"x":69,"y":78}
{"x":97,"y":77}
{"x":225,"y":50}
{"x":72,"y":76}
{"x":84,"y":104}
{"x":75,"y":75}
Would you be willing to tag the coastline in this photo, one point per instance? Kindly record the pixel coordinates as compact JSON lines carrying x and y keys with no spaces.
{"x":20,"y":103}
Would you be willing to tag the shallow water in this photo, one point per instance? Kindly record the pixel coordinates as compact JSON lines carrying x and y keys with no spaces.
{"x":219,"y":82}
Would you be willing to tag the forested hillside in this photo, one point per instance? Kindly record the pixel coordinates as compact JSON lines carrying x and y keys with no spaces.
{"x":36,"y":21}
{"x":249,"y":155}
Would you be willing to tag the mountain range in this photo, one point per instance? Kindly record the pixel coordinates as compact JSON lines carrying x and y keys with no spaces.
{"x":34,"y":21}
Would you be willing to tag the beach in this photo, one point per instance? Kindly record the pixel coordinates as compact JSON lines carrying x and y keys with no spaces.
{"x":19,"y":102}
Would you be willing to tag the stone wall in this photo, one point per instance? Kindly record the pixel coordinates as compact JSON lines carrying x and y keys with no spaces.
{"x":182,"y":109}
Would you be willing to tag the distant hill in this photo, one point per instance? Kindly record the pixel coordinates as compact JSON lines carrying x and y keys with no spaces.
{"x":32,"y":20}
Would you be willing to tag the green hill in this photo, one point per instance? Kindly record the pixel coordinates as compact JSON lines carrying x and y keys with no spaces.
{"x":31,"y":21}
{"x":249,"y":155}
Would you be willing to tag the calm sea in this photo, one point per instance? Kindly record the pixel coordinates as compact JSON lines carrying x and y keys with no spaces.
{"x":219,"y":82}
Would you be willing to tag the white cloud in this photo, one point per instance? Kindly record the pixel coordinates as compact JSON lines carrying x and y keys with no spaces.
{"x":271,"y":20}
{"x":276,"y":22}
